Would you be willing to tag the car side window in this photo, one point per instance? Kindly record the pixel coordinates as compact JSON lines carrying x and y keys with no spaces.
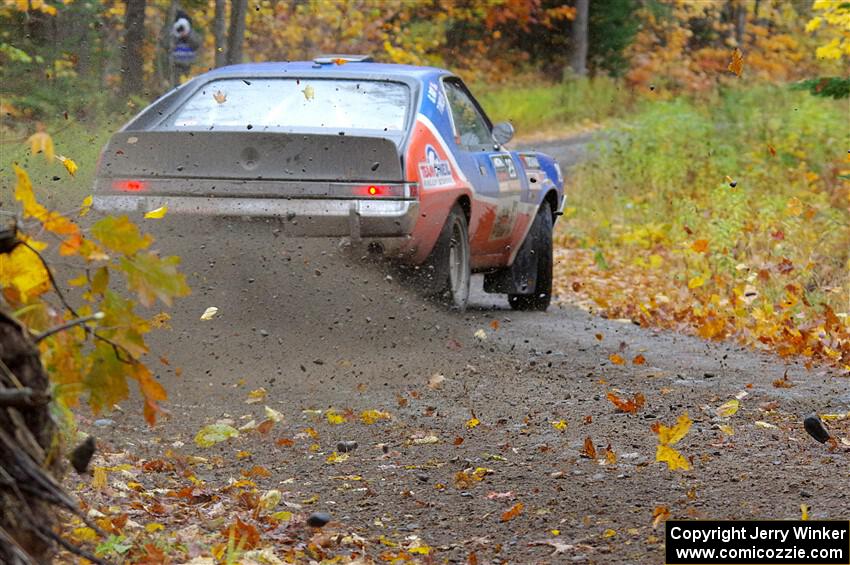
{"x":470,"y":127}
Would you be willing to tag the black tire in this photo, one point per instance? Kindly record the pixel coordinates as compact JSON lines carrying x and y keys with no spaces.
{"x":538,"y":243}
{"x":448,"y":266}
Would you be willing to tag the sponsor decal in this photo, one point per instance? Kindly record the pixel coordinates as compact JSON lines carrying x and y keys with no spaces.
{"x":505,"y":221}
{"x":505,"y":168}
{"x":433,"y":171}
{"x":441,"y":102}
{"x":432,"y":92}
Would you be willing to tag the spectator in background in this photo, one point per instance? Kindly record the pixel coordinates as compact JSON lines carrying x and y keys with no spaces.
{"x":184,"y":46}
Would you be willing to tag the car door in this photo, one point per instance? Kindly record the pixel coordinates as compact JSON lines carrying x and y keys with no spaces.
{"x":493,"y":173}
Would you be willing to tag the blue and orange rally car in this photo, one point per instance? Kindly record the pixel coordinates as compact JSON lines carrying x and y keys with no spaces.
{"x":400,"y":159}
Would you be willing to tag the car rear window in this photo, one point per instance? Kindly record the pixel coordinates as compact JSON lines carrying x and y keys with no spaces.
{"x":295,"y":104}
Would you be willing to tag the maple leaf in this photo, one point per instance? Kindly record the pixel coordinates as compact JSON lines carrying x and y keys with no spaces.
{"x":630,"y":406}
{"x":152,"y":277}
{"x":120,"y":234}
{"x":670,"y":436}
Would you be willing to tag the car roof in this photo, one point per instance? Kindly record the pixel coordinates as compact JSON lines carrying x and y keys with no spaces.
{"x":347,"y":70}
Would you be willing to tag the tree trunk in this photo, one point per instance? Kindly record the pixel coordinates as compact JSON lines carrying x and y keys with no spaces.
{"x":740,"y":22}
{"x":236,"y":35}
{"x":28,"y":450}
{"x":134,"y":38}
{"x":578,"y":58}
{"x":163,"y":58}
{"x":218,"y":32}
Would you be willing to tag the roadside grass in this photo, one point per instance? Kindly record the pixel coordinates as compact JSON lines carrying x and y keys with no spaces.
{"x":79,"y":141}
{"x":556,"y":108}
{"x":728,"y":218}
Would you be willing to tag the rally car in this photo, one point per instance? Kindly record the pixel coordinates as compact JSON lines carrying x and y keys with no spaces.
{"x":400,"y":159}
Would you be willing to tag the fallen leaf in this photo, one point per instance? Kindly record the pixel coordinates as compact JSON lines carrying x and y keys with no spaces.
{"x":560,"y":425}
{"x":256,"y":396}
{"x":333,"y":417}
{"x":804,"y":511}
{"x":696,"y":282}
{"x":209,"y":313}
{"x":630,"y":406}
{"x":639,"y":360}
{"x":480,"y":334}
{"x":589,"y":450}
{"x":309,"y":92}
{"x":494,"y":324}
{"x":273,"y":415}
{"x":369,"y":417}
{"x":660,"y":514}
{"x":220,"y":97}
{"x":215,"y":433}
{"x":472,"y":423}
{"x":766,"y":425}
{"x":436,"y":381}
{"x":674,"y":459}
{"x":157,"y":213}
{"x":609,"y":533}
{"x":700,"y":245}
{"x":337,"y":457}
{"x":616,"y":359}
{"x":670,"y":436}
{"x":728,"y":408}
{"x":727,"y":429}
{"x":512,"y":512}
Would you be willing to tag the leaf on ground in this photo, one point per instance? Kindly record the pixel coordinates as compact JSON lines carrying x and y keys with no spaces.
{"x":588,"y":450}
{"x":273,"y":415}
{"x":728,"y":408}
{"x":209,"y":313}
{"x":696,"y":282}
{"x":512,"y":512}
{"x":560,"y":425}
{"x":369,"y":417}
{"x":639,"y":359}
{"x":472,"y":423}
{"x":215,"y":433}
{"x":674,"y":459}
{"x":256,"y":396}
{"x":616,"y":359}
{"x":436,"y":381}
{"x":630,"y":406}
{"x":700,"y":246}
{"x":337,"y":457}
{"x":242,"y":535}
{"x":660,"y":514}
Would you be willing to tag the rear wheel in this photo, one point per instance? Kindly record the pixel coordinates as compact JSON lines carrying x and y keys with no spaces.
{"x":538,"y":246}
{"x":448,"y":264}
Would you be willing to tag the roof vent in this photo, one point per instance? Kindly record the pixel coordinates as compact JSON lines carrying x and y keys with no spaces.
{"x":330,"y":59}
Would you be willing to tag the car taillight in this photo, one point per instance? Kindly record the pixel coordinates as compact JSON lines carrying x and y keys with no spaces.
{"x":380,"y":190}
{"x":129,"y":185}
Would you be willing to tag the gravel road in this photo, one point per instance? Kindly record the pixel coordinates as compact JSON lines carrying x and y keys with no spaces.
{"x":320,"y":330}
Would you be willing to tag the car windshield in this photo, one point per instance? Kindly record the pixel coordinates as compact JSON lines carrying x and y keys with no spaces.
{"x":295,"y":104}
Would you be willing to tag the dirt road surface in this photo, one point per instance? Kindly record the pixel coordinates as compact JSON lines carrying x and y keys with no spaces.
{"x":319,"y":330}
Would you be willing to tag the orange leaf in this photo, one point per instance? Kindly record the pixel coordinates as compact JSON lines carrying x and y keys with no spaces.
{"x":244,"y":535}
{"x":737,"y":64}
{"x":284,"y":442}
{"x":589,"y":450}
{"x":660,"y":514}
{"x":616,"y":359}
{"x":639,"y":360}
{"x":700,"y":245}
{"x":513,"y":512}
{"x":630,"y":406}
{"x":494,"y":324}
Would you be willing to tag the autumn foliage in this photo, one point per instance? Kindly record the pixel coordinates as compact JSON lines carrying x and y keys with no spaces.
{"x":95,"y":359}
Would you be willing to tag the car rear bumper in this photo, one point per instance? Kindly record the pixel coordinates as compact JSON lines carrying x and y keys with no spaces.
{"x":309,"y":217}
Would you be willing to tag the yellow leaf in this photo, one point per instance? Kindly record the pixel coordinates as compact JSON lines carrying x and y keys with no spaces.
{"x":70,"y":165}
{"x":555,"y":532}
{"x":154,"y":527}
{"x":696,"y":282}
{"x":700,"y":246}
{"x":727,"y":429}
{"x":609,"y":533}
{"x":419,"y":548}
{"x":23,"y":271}
{"x":334,"y":418}
{"x":560,"y":425}
{"x":215,"y":433}
{"x":804,"y":511}
{"x":337,"y":457}
{"x":670,"y":436}
{"x":99,"y":478}
{"x":674,"y":459}
{"x":256,"y":396}
{"x":283,"y":516}
{"x":371,"y":416}
{"x":157,"y":213}
{"x":794,"y":207}
{"x":728,"y":408}
{"x":616,"y":359}
{"x":766,"y":425}
{"x":472,"y":422}
{"x":270,"y":499}
{"x":273,"y":415}
{"x":85,"y":208}
{"x":85,"y":534}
